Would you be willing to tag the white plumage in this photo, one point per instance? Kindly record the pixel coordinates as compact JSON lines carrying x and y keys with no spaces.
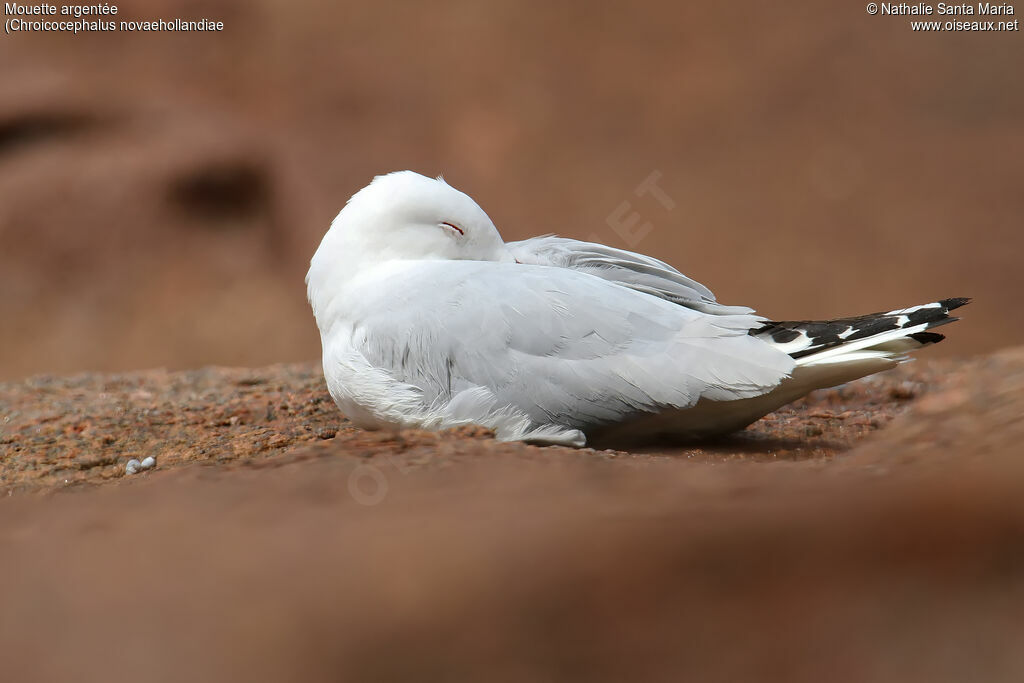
{"x":429,"y":319}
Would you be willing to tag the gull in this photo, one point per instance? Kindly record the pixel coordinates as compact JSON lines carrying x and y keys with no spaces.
{"x":429,"y":320}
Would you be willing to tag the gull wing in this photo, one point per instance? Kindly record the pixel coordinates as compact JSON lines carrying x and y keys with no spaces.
{"x":559,"y":346}
{"x":626,"y":268}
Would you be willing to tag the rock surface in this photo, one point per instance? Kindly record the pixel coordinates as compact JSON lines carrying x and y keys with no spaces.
{"x":86,"y":428}
{"x":872,"y":532}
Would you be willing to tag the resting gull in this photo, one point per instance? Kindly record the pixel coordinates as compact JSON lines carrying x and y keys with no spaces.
{"x":429,"y":320}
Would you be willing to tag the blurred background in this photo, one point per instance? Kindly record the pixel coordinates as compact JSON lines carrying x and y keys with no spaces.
{"x":161,"y":194}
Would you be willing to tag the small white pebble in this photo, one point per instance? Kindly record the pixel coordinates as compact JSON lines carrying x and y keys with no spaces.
{"x":148,"y":463}
{"x":132,"y":467}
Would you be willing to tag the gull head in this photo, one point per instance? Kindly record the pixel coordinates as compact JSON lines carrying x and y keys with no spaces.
{"x":405,"y":215}
{"x":400,"y":216}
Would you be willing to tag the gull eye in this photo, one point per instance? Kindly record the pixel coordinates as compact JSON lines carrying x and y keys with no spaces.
{"x":453,"y":227}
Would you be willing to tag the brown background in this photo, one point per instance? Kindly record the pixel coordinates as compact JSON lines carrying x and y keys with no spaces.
{"x":161,"y":194}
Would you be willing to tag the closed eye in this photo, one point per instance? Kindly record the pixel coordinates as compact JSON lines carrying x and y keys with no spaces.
{"x":453,"y":227}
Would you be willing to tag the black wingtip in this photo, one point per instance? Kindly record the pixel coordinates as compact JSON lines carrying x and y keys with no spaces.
{"x":927,"y":337}
{"x":955,"y":302}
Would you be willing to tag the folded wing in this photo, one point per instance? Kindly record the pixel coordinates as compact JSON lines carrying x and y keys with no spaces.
{"x":557,"y":345}
{"x":635,"y":271}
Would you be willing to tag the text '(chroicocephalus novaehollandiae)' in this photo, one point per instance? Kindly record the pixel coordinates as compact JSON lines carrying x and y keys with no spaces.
{"x":430,"y":320}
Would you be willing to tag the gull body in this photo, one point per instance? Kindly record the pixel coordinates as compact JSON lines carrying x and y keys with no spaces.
{"x":428,"y":319}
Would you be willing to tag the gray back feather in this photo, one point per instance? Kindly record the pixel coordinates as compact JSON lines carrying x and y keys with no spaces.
{"x":559,"y":344}
{"x":628,"y":269}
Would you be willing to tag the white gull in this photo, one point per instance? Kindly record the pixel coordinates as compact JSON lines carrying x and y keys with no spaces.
{"x":428,"y":319}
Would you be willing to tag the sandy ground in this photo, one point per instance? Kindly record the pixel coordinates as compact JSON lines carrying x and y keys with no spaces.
{"x":872,"y":532}
{"x":83,"y":429}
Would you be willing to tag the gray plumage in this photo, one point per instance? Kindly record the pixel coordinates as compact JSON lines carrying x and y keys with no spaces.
{"x":428,"y":319}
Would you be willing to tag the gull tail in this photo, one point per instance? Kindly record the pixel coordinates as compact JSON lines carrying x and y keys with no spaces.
{"x":827,"y":353}
{"x":876,"y":335}
{"x":831,"y":352}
